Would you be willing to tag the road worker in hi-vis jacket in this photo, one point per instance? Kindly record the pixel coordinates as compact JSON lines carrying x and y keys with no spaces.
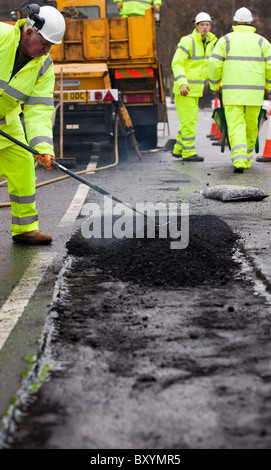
{"x":241,"y":65}
{"x":27,"y":82}
{"x":136,"y":8}
{"x":190,"y":72}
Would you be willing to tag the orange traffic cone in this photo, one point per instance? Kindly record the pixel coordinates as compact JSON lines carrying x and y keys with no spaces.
{"x":217,"y":135}
{"x":214,"y":125}
{"x":218,"y":138}
{"x":213,"y":130}
{"x":266,"y":156}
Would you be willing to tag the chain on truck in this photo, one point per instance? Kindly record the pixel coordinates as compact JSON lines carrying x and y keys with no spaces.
{"x":106,"y":68}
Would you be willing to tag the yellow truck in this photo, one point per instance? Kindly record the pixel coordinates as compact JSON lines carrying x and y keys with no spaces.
{"x":104,"y":60}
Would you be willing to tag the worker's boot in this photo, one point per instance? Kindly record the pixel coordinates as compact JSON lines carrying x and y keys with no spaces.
{"x":35,"y":237}
{"x":193,"y":158}
{"x":176,"y":155}
{"x":241,"y":164}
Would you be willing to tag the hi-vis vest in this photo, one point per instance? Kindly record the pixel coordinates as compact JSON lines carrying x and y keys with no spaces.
{"x":241,"y":62}
{"x":136,"y":8}
{"x":190,"y":62}
{"x":33,"y":86}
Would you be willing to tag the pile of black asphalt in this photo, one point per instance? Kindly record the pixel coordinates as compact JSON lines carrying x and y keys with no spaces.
{"x":207,"y":259}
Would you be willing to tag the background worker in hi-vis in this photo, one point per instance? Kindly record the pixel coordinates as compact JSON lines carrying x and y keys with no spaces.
{"x":241,"y":64}
{"x":190,"y":72}
{"x":136,"y":8}
{"x":27,"y":76}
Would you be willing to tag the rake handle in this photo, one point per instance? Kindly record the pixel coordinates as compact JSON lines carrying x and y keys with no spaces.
{"x":65,"y":170}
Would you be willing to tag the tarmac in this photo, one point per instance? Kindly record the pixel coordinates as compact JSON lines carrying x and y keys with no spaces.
{"x":162,"y":367}
{"x":250,"y":219}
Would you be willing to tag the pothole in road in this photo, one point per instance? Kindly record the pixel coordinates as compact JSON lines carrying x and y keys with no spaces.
{"x":151,"y":261}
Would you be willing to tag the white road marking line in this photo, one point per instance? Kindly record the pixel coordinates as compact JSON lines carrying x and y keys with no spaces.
{"x":76,"y":205}
{"x":18,"y":300}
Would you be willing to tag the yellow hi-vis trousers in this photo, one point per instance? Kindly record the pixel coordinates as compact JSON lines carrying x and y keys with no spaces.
{"x":17,"y":165}
{"x":242,"y":123}
{"x":187,"y":109}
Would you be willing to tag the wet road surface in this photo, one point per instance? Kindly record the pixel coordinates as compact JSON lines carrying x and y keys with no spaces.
{"x":158,"y":366}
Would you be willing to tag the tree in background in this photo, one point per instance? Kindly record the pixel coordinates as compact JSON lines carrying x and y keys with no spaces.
{"x":177,"y":21}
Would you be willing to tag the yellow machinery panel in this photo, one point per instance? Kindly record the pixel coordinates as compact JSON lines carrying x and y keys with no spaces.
{"x":141,"y":36}
{"x":57,"y":52}
{"x":82,"y":76}
{"x":84,"y":40}
{"x":96,"y":39}
{"x":118,"y":38}
{"x":103,"y":39}
{"x":73,"y":41}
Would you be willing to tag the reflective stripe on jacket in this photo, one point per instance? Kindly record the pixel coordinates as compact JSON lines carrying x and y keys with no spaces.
{"x":189,"y":63}
{"x":241,"y":62}
{"x":33,"y":86}
{"x":136,"y":8}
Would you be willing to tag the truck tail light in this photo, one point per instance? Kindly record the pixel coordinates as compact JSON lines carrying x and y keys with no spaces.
{"x":98,"y":95}
{"x":138,"y":98}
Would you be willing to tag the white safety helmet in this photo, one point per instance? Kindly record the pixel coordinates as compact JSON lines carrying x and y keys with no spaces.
{"x":48,"y":21}
{"x":243,"y":15}
{"x":202,"y":16}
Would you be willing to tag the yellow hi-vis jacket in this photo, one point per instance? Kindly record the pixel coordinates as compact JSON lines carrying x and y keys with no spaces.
{"x":241,"y":62}
{"x":190,"y":62}
{"x":33,"y":86}
{"x":136,"y":8}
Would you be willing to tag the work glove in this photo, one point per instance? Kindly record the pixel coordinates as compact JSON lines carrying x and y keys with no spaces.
{"x":184,"y":89}
{"x":156,"y":8}
{"x":45,"y":160}
{"x":119,"y":5}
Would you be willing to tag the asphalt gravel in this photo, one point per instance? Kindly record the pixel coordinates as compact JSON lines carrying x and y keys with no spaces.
{"x":170,"y":360}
